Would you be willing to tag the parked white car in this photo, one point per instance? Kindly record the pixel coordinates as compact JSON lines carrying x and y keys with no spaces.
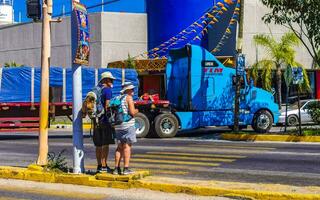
{"x":293,"y":113}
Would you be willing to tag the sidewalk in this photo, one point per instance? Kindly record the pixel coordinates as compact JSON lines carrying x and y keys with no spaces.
{"x":168,"y":185}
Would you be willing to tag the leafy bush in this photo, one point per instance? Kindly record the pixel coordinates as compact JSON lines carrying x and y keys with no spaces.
{"x":58,"y":162}
{"x":11,"y":64}
{"x":130,"y":62}
{"x":314,"y":111}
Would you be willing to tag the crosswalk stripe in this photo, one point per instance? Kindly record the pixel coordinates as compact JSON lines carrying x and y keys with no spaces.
{"x":163,"y":171}
{"x":233,"y":147}
{"x":195,"y":154}
{"x":181,"y":157}
{"x":149,"y":166}
{"x":175,"y":162}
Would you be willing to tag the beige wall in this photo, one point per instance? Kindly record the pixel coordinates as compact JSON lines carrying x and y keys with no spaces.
{"x":113,"y":36}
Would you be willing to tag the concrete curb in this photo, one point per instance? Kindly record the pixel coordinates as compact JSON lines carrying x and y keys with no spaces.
{"x":35,"y":173}
{"x":216,"y":191}
{"x":273,"y":138}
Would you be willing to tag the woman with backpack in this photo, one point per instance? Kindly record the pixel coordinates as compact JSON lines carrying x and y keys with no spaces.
{"x":125,"y":132}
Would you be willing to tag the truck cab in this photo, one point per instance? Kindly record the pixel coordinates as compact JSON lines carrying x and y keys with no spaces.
{"x":201,"y":92}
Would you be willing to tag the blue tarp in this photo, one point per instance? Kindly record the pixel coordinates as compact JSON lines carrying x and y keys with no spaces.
{"x":16,"y":82}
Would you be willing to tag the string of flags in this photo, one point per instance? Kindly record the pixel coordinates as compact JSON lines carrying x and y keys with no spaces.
{"x":197,"y":30}
{"x":233,"y":21}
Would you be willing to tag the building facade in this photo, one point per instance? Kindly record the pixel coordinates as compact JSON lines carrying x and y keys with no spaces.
{"x":121,"y":30}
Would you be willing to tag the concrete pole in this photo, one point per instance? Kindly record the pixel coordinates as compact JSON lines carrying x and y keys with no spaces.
{"x":44,"y":101}
{"x":78,"y":153}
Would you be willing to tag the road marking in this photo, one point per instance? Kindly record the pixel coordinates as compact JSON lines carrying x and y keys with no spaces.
{"x":149,"y":166}
{"x":163,"y":171}
{"x":174,"y":162}
{"x":183,"y":158}
{"x":233,"y":147}
{"x":194,"y":154}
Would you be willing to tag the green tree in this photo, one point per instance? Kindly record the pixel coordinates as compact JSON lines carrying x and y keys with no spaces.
{"x":302,"y":17}
{"x":278,"y":55}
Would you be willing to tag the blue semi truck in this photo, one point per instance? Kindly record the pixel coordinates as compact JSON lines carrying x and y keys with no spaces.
{"x":201,"y":93}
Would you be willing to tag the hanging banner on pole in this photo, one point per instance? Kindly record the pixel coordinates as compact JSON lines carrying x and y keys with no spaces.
{"x":297,"y":74}
{"x":82,"y":53}
{"x":241,"y":63}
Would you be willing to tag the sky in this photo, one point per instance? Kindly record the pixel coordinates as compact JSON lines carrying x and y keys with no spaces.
{"x":136,"y":6}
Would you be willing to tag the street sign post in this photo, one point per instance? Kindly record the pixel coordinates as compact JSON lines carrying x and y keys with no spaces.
{"x":240,"y":70}
{"x":241,"y":62}
{"x":288,"y":79}
{"x":297,"y":79}
{"x":80,"y":56}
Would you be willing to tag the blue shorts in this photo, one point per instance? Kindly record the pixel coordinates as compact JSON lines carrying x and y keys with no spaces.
{"x":127,"y":136}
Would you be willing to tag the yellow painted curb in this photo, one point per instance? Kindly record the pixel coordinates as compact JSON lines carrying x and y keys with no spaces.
{"x":275,"y":138}
{"x":127,"y":178}
{"x":216,"y":191}
{"x":105,"y":180}
{"x":86,"y":126}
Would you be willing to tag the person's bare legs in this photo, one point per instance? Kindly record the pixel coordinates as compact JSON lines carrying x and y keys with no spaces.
{"x":118,"y":156}
{"x":98,"y":155}
{"x":104,"y":155}
{"x":126,"y":154}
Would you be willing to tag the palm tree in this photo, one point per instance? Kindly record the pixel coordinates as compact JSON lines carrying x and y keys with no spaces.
{"x":279,"y":54}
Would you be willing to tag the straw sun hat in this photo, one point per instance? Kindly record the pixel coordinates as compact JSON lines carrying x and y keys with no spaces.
{"x":107,"y":75}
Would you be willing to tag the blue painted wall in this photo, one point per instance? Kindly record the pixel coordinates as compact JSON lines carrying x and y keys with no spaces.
{"x":166,"y":18}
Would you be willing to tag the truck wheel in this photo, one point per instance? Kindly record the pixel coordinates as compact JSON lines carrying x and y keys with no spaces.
{"x":293,"y":120}
{"x":142,"y":125}
{"x":262,"y":121}
{"x":166,"y":125}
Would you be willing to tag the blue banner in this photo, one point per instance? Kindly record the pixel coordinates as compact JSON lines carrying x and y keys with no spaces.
{"x":83,"y":49}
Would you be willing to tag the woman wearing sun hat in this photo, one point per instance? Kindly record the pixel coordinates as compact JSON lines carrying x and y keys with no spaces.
{"x":126,"y":132}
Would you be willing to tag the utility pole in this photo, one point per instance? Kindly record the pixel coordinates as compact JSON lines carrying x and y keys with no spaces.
{"x":239,"y":51}
{"x":78,"y":152}
{"x":45,"y":64}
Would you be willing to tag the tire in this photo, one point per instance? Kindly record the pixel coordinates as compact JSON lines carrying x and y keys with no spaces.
{"x":292,"y":120}
{"x":142,"y":125}
{"x":262,"y":121}
{"x":166,"y":125}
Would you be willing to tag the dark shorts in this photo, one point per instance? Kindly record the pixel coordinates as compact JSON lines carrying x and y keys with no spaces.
{"x":103,"y":134}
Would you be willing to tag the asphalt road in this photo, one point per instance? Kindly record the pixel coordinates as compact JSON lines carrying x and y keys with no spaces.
{"x":193,"y":155}
{"x":24,"y":190}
